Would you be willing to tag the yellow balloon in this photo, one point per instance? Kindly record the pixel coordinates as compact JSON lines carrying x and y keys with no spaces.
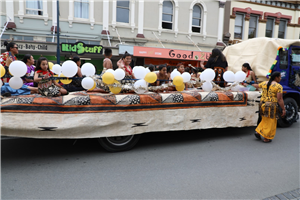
{"x":93,"y":86}
{"x":115,"y":90}
{"x":178,"y":81}
{"x":65,"y":81}
{"x":180,"y":88}
{"x":2,"y":70}
{"x":50,"y":65}
{"x":108,"y":78}
{"x":151,"y":77}
{"x":57,"y":80}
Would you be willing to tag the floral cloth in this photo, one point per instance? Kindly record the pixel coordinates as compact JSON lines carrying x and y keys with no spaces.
{"x":271,"y":95}
{"x":46,"y":87}
{"x":3,"y":58}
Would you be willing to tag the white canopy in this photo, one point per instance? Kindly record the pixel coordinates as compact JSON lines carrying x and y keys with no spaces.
{"x":260,"y":53}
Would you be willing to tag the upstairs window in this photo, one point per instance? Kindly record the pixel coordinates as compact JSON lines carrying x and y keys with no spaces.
{"x":282,"y":28}
{"x":269,"y":27}
{"x":239,"y":26}
{"x":196,"y":22}
{"x":123,"y":11}
{"x":81,"y":9}
{"x":34,"y":7}
{"x":252,"y":27}
{"x":167,"y":15}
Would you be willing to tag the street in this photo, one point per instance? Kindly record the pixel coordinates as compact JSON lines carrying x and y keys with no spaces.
{"x":208,"y":164}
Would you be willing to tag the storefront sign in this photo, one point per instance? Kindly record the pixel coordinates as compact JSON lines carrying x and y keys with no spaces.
{"x":170,"y":53}
{"x":32,"y":47}
{"x":81,"y":48}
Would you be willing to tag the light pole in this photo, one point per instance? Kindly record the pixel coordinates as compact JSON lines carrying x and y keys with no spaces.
{"x":57,"y":29}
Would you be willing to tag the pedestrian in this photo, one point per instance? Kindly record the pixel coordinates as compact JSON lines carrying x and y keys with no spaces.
{"x":271,"y":97}
{"x":29,"y":61}
{"x":8,"y":57}
{"x":46,"y":86}
{"x":217,"y":62}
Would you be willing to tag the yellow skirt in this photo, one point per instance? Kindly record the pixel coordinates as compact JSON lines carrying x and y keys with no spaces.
{"x":267,"y":126}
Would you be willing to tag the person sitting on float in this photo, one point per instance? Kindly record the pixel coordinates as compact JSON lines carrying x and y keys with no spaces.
{"x":162,"y":75}
{"x":124,"y":63}
{"x":29,"y":61}
{"x":195,"y":76}
{"x":151,"y":68}
{"x":8,"y":57}
{"x":46,"y":86}
{"x":107,"y":64}
{"x":250,"y":75}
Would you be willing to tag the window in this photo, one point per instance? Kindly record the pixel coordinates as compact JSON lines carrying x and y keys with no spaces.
{"x":81,"y":9}
{"x":269,"y":27}
{"x":196,"y":22}
{"x":123,"y":11}
{"x":18,"y":37}
{"x":167,"y":15}
{"x":28,"y":38}
{"x":50,"y":39}
{"x":238,"y":27}
{"x":5,"y":37}
{"x":296,"y":56}
{"x":283,"y":57}
{"x":282,"y":28}
{"x":252,"y":27}
{"x":34,"y":7}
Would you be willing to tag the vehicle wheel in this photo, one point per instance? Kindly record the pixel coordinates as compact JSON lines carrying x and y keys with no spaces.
{"x":291,"y":108}
{"x":119,"y":143}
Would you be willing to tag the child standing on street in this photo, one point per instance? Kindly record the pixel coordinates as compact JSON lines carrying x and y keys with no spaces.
{"x":46,"y":87}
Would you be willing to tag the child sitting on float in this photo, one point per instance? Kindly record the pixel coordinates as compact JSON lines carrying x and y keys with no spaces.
{"x":46,"y":86}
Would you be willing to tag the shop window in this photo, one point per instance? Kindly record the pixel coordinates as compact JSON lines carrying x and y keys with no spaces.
{"x":28,"y":38}
{"x":5,"y":37}
{"x":81,"y":9}
{"x":282,"y":28}
{"x":123,"y":11}
{"x":239,"y":26}
{"x":196,"y":22}
{"x":50,"y":39}
{"x":167,"y":15}
{"x":18,"y":37}
{"x":34,"y":7}
{"x":283,"y":58}
{"x":252,"y":27}
{"x":269,"y":27}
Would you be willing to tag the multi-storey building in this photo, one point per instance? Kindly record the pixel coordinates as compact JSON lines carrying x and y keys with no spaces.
{"x":249,"y":19}
{"x":191,"y":25}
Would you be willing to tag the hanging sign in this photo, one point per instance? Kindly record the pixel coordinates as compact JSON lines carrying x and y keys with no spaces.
{"x":81,"y":48}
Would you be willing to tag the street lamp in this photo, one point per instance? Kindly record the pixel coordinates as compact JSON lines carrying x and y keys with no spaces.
{"x":57,"y":29}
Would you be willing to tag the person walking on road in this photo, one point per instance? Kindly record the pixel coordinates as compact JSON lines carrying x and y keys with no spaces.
{"x":268,"y":107}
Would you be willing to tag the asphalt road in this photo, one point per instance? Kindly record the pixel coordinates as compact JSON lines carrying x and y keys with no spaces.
{"x":208,"y":164}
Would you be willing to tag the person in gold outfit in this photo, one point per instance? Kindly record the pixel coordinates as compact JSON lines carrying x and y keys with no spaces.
{"x":268,"y":108}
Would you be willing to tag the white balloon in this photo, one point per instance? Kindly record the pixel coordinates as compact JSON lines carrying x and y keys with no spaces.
{"x":229,"y":76}
{"x":119,"y":74}
{"x":16,"y":83}
{"x":147,"y":70}
{"x":88,"y":69}
{"x":207,"y":86}
{"x":208,"y":75}
{"x":69,"y":68}
{"x":175,"y":73}
{"x":186,"y":77}
{"x":111,"y":71}
{"x":18,"y":68}
{"x":56,"y":69}
{"x":1,"y":83}
{"x":140,"y":83}
{"x":140,"y":73}
{"x":240,"y":76}
{"x":87,"y":83}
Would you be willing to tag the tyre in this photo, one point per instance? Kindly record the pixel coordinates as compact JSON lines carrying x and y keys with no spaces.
{"x":119,"y":143}
{"x":292,"y":116}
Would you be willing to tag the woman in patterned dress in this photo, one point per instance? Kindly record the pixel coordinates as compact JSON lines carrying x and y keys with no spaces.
{"x":218,"y":63}
{"x":8,"y":57}
{"x":124,"y":63}
{"x":46,"y":86}
{"x":271,"y":97}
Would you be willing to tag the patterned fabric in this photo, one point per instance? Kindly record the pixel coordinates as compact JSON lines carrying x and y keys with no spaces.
{"x":83,"y":100}
{"x":219,"y":76}
{"x":102,"y":85}
{"x":268,"y":109}
{"x":271,"y":95}
{"x":127,"y":82}
{"x":51,"y":90}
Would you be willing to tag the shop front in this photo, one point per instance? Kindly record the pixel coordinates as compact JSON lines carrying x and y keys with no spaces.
{"x":171,"y":57}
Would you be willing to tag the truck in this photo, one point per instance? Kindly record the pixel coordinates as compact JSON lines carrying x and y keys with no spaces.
{"x":267,"y":55}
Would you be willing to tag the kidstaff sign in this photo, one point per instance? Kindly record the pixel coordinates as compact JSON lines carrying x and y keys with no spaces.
{"x":170,"y":53}
{"x":81,"y":48}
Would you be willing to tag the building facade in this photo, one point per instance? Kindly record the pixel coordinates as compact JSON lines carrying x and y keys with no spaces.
{"x":192,"y":25}
{"x":254,"y":18}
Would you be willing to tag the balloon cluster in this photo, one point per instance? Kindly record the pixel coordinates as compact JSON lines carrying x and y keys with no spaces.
{"x":112,"y":77}
{"x":180,"y":79}
{"x":236,"y":78}
{"x":17,"y":69}
{"x":208,"y":76}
